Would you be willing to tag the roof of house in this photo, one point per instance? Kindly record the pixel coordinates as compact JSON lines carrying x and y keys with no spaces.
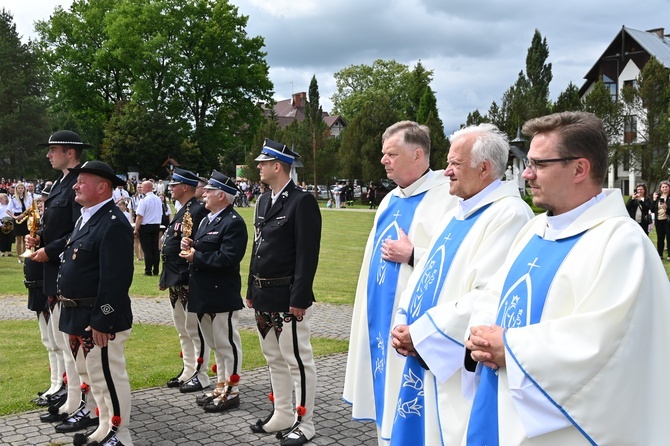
{"x":652,"y":42}
{"x":656,"y":45}
{"x":293,"y":109}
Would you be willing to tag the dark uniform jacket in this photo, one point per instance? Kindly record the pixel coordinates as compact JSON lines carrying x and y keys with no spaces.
{"x":215,"y":283}
{"x":33,"y":272}
{"x":98,"y":263}
{"x":61,"y":213}
{"x":175,"y":268}
{"x":286,"y":245}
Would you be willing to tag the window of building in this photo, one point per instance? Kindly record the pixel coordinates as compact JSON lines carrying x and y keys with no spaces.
{"x":611,"y":85}
{"x":630,"y":129}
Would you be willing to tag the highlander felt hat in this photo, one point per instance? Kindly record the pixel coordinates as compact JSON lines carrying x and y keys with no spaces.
{"x":221,"y":182}
{"x":273,"y":150}
{"x":183,"y":176}
{"x":100,"y":169}
{"x":65,"y":138}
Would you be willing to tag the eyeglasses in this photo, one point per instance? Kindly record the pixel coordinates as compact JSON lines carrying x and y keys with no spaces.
{"x":533,"y":164}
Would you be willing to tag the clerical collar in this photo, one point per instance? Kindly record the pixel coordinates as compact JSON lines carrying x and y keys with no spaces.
{"x":557,"y":223}
{"x":274,"y":196}
{"x":409,"y":190}
{"x":465,"y":206}
{"x":87,"y":213}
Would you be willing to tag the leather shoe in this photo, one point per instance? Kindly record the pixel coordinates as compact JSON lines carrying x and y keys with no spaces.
{"x":82,"y":439}
{"x":294,"y":438}
{"x":52,"y":417}
{"x":174,"y":382}
{"x":77,"y":422}
{"x":205,"y":399}
{"x":192,"y":385}
{"x":222,"y":404}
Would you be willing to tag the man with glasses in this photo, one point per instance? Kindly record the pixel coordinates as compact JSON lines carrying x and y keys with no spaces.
{"x":566,"y":336}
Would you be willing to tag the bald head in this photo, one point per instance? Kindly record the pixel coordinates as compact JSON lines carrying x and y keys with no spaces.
{"x":147,"y":186}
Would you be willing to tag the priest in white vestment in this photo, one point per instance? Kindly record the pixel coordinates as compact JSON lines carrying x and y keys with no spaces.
{"x":404,"y":223}
{"x":470,"y":246}
{"x":572,"y":334}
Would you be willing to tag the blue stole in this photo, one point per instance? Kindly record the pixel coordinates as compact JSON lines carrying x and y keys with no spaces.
{"x":408,"y":425}
{"x":521,"y":304}
{"x":382,"y":283}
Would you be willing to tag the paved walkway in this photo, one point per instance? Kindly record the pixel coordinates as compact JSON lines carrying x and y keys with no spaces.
{"x":162,"y":416}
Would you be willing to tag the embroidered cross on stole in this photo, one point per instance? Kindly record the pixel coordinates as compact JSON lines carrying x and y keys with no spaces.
{"x":382,"y":283}
{"x":521,"y":303}
{"x":408,"y":426}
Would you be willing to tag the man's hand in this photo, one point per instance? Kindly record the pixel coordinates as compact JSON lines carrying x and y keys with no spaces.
{"x":297,"y":312}
{"x":99,"y":338}
{"x":250,"y":303}
{"x":399,"y":251}
{"x":39,"y":256}
{"x":32,"y":242}
{"x":402,"y":340}
{"x":486,"y":345}
{"x":189,"y":256}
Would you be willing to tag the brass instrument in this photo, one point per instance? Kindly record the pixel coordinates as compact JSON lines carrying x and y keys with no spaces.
{"x":7,"y":225}
{"x":33,"y":226}
{"x":23,"y":216}
{"x":186,"y":228}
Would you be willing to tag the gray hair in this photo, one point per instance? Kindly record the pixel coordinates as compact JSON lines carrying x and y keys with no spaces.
{"x":414,"y":134}
{"x":491,"y":145}
{"x":229,"y":197}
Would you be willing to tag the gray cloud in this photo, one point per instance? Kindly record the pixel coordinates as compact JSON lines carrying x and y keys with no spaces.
{"x":476,"y":48}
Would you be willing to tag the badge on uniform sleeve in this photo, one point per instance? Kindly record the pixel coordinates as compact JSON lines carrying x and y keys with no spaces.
{"x":74,"y":255}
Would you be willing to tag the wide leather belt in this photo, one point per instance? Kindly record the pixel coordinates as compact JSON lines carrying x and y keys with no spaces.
{"x":33,"y":283}
{"x":272,"y":282}
{"x":74,"y":303}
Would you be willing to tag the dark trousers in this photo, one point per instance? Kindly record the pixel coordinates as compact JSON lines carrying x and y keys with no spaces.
{"x":663,"y":235}
{"x":148,"y":235}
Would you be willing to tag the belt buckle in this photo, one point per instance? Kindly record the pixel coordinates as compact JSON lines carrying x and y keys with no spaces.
{"x":258,"y":282}
{"x":67,"y":303}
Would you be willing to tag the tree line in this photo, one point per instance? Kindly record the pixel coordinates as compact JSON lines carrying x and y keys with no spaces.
{"x":144,"y":80}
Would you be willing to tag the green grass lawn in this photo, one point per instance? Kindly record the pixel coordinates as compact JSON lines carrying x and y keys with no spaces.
{"x":343,"y":240}
{"x":152,"y":354}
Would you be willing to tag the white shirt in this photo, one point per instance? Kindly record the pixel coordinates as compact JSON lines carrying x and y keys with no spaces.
{"x":118,"y":194}
{"x":87,"y":213}
{"x":151,"y":209}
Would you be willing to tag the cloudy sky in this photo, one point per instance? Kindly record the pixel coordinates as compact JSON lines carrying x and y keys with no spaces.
{"x":476,"y":48}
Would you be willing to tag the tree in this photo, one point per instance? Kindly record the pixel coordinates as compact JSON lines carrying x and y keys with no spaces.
{"x":191,"y":61}
{"x":358,"y":85}
{"x":136,"y":137}
{"x":476,"y":118}
{"x":23,"y":118}
{"x":568,"y":100}
{"x":316,"y":128}
{"x":529,"y":96}
{"x":428,"y":115}
{"x":360,"y":152}
{"x":648,"y":103}
{"x":420,"y":79}
{"x":539,"y":76}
